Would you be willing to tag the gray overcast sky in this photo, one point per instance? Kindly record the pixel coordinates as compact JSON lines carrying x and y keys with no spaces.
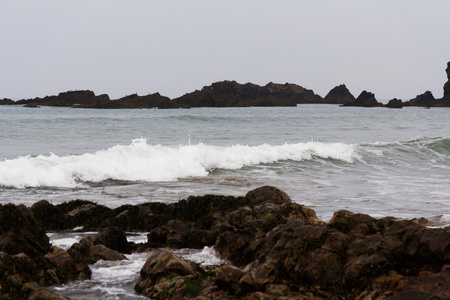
{"x":392,"y":48}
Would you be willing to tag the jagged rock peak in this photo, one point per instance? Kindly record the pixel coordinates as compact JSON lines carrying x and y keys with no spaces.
{"x":339,"y":95}
{"x":447,"y":84}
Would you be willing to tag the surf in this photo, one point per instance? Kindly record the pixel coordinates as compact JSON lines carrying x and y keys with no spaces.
{"x":140,"y":161}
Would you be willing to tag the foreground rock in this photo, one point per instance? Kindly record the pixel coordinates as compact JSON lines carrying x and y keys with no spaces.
{"x":354,"y":256}
{"x":276,"y":249}
{"x":27,"y":258}
{"x":165,"y":275}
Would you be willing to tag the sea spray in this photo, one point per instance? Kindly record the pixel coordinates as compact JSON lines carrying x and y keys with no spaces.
{"x":140,"y":161}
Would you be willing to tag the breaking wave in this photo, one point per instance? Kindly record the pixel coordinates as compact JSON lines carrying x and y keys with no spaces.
{"x":140,"y":161}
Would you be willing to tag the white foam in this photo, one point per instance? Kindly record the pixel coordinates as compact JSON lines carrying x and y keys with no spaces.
{"x":207,"y":257}
{"x":151,"y":163}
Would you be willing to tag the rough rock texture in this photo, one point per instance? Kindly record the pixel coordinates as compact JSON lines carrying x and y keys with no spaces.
{"x":344,"y":259}
{"x":339,"y":95}
{"x":27,"y":259}
{"x":276,"y":249}
{"x":20,"y":232}
{"x":86,"y":214}
{"x":88,"y":253}
{"x":51,"y":217}
{"x":165,"y":275}
{"x":113,"y":238}
{"x":231,"y":93}
{"x":365,"y":99}
{"x":72,"y":268}
{"x":20,"y":269}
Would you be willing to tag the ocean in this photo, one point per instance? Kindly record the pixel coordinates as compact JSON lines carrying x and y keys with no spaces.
{"x":377,"y":161}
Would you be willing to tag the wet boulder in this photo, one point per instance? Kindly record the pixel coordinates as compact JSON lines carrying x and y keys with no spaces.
{"x":87,"y":214}
{"x":88,"y":253}
{"x":113,"y":238}
{"x":267,"y":194}
{"x":20,"y":232}
{"x":164,"y":275}
{"x":35,"y":292}
{"x":18,"y":270}
{"x":52,"y":217}
{"x":351,"y":223}
{"x":72,"y":268}
{"x":227,"y":277}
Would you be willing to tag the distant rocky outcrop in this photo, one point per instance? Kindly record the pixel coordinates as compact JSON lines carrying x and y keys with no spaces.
{"x":233,"y":94}
{"x":66,"y":99}
{"x":394,"y":103}
{"x":365,"y":99}
{"x":426,"y":100}
{"x":339,"y":95}
{"x":6,"y":101}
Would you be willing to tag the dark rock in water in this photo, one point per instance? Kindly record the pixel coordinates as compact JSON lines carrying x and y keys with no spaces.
{"x":88,"y":253}
{"x":395,"y":103}
{"x":426,"y":100}
{"x":277,"y":249}
{"x":52,"y":217}
{"x":87,"y":214}
{"x":72,"y":268}
{"x":447,"y":84}
{"x":269,"y":194}
{"x":233,"y":94}
{"x":365,"y":99}
{"x":20,"y":232}
{"x":32,"y":105}
{"x":339,"y":95}
{"x":17,"y":271}
{"x":351,"y":223}
{"x":6,"y":101}
{"x":133,"y":101}
{"x":32,"y":291}
{"x":113,"y":238}
{"x":165,"y":276}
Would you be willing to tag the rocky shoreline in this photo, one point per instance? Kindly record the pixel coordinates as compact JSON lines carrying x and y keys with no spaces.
{"x":277,"y":249}
{"x":233,"y":94}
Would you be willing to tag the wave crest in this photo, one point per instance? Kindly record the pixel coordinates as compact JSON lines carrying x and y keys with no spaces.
{"x":140,"y":161}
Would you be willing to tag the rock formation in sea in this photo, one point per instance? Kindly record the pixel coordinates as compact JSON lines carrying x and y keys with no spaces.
{"x":6,"y":101}
{"x":275,"y":248}
{"x":339,"y":95}
{"x":365,"y":99}
{"x":428,"y":100}
{"x":425,"y":100}
{"x":394,"y":103}
{"x":447,"y":84}
{"x":233,"y":94}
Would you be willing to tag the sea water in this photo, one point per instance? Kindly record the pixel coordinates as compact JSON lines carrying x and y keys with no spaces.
{"x":376,"y":161}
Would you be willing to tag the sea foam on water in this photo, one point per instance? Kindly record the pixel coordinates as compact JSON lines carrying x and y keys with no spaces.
{"x":140,"y":161}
